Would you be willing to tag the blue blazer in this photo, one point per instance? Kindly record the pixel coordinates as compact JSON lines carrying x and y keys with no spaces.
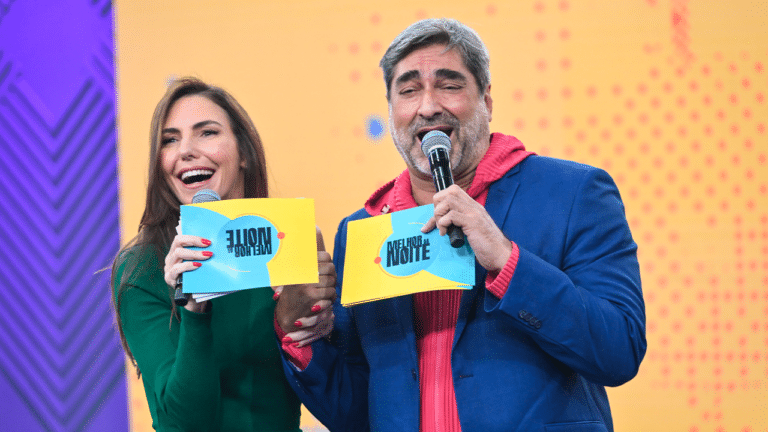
{"x":571,"y":322}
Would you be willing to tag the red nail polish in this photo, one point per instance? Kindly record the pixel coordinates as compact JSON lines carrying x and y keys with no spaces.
{"x":316,"y":308}
{"x":297,"y":323}
{"x":197,"y":264}
{"x":207,"y":253}
{"x":206,"y":242}
{"x":287,"y":340}
{"x":275,"y":296}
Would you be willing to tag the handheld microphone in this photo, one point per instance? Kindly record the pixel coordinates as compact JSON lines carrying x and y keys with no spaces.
{"x":436,"y":146}
{"x":202,"y":196}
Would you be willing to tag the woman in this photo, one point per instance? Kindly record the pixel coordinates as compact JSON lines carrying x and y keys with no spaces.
{"x":212,"y":365}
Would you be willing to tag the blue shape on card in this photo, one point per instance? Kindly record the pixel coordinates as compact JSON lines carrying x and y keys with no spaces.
{"x":407,"y":250}
{"x":241,"y":248}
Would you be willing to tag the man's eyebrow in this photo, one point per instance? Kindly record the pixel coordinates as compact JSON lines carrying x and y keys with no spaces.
{"x":196,"y":126}
{"x":450,"y":74}
{"x":407,"y":76}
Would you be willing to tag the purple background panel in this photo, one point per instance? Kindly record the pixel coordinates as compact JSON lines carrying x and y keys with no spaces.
{"x":61,"y":365}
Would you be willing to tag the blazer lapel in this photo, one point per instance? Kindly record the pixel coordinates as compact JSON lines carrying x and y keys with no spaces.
{"x":500,"y":195}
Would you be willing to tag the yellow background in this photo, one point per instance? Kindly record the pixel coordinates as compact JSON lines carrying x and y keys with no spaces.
{"x":668,"y":96}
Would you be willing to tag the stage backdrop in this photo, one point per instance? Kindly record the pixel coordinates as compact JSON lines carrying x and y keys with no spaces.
{"x":61,"y":365}
{"x":669,"y":96}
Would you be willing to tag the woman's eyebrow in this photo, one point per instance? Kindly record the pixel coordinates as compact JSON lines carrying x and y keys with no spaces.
{"x":196,"y":126}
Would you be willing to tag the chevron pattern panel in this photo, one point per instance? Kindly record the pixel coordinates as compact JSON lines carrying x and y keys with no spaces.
{"x":61,"y":365}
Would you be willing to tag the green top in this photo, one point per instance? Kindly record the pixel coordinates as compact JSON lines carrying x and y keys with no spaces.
{"x":218,"y":371}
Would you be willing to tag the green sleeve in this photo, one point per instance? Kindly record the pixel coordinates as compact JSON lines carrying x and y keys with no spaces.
{"x":175,"y":358}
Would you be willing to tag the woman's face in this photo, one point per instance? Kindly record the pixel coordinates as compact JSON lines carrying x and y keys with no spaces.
{"x":199,"y":150}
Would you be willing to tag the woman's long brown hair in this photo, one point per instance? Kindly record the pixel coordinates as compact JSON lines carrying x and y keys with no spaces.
{"x":161,"y":213}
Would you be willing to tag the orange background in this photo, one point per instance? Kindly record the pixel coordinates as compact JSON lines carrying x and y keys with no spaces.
{"x":667,"y":96}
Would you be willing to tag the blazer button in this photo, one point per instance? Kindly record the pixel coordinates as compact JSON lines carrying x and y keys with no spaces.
{"x":415,"y":375}
{"x":537,"y":324}
{"x":523,"y":314}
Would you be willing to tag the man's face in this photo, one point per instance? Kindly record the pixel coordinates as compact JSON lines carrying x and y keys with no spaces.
{"x":433,"y":89}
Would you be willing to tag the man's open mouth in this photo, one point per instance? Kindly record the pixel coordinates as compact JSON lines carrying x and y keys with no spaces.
{"x":446,"y":129}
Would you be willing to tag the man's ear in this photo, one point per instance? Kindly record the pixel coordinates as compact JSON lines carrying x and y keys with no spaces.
{"x":488,"y":102}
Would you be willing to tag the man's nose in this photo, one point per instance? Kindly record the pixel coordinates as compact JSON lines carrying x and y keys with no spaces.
{"x":429,"y":106}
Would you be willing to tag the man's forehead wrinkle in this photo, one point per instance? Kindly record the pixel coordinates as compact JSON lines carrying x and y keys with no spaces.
{"x":426,"y":61}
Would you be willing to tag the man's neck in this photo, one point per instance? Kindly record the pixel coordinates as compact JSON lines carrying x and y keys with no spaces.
{"x":423,"y":188}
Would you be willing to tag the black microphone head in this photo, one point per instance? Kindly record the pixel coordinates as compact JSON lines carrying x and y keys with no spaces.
{"x":435,"y":139}
{"x":204,"y":196}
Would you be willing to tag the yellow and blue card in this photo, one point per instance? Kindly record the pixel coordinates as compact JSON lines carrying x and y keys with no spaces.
{"x":388,"y":256}
{"x":256,"y":242}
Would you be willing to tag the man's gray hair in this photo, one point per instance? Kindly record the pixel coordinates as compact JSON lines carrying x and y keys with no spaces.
{"x":439,"y":31}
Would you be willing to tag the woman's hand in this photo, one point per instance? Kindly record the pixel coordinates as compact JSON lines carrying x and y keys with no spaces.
{"x":311,"y":328}
{"x":181,"y":259}
{"x":305,"y":311}
{"x":314,"y":327}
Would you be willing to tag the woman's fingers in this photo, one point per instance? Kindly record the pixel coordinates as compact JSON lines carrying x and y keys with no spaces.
{"x":276,"y":292}
{"x":184,"y":241}
{"x":314,"y":328}
{"x":172,"y":274}
{"x":322,"y":305}
{"x":311,"y":321}
{"x":181,"y":259}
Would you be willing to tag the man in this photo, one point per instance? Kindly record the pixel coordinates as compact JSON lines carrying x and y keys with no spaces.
{"x":556,"y":312}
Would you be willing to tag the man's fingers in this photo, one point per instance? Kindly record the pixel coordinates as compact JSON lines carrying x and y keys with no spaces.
{"x":429,"y":226}
{"x":323,"y":294}
{"x":320,"y":242}
{"x":324,"y":257}
{"x":310,"y":294}
{"x":327,"y":282}
{"x":447,"y":220}
{"x":324,"y":262}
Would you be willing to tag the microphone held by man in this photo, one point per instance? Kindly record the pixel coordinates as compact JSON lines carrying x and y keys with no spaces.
{"x":436,"y":146}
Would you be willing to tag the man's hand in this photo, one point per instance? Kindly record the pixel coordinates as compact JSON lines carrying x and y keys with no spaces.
{"x":454,"y":206}
{"x":298,"y":304}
